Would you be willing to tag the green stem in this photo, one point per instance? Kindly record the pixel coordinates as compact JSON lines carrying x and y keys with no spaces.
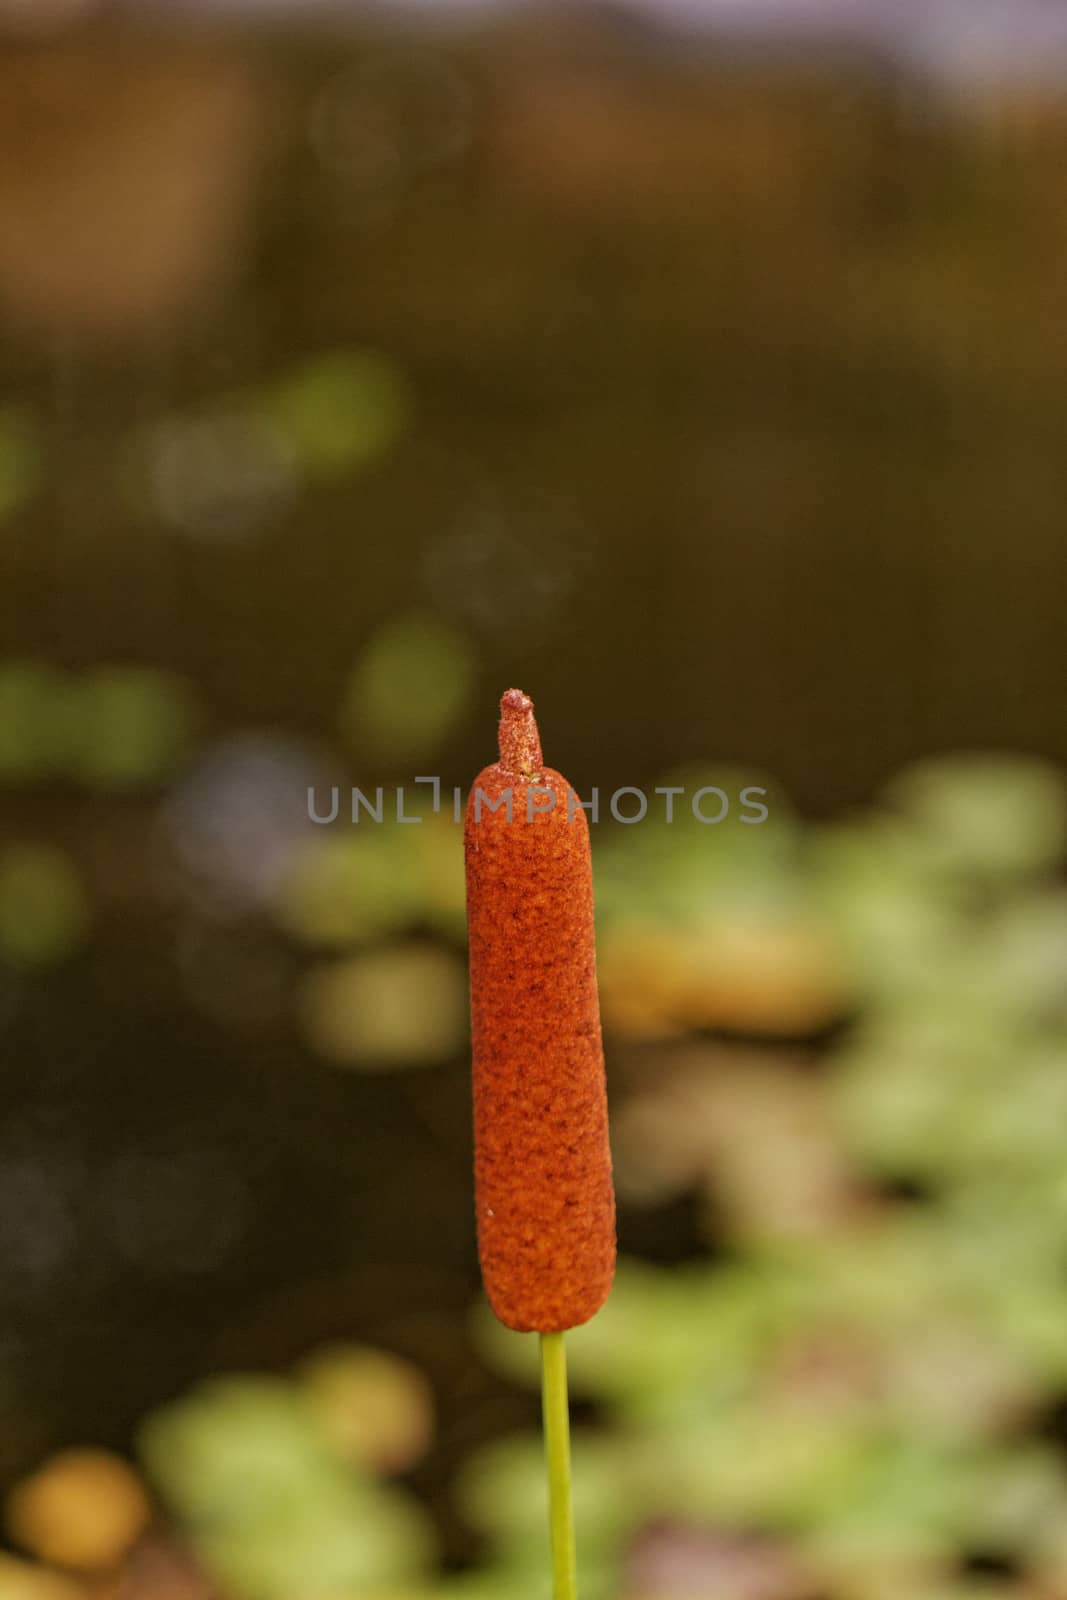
{"x":558,"y":1461}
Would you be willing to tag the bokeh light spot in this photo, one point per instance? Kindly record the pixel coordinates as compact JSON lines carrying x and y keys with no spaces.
{"x":224,"y":475}
{"x":341,"y":410}
{"x":32,"y":702}
{"x":82,"y":1509}
{"x":128,"y":726}
{"x":238,"y":821}
{"x":43,"y":909}
{"x":21,"y":457}
{"x":409,"y":688}
{"x":375,"y":1408}
{"x":402,"y":1006}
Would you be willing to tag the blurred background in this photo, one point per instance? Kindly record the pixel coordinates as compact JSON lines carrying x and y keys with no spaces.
{"x":699,"y":368}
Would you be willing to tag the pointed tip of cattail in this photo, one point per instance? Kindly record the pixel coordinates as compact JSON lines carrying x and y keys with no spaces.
{"x":520,"y":742}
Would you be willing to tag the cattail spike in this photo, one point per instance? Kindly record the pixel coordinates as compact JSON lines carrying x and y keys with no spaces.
{"x":542,"y":1162}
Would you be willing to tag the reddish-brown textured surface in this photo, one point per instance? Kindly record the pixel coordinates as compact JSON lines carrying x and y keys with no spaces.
{"x":542,"y":1164}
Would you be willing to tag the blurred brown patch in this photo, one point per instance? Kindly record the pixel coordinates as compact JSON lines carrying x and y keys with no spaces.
{"x":126,"y":184}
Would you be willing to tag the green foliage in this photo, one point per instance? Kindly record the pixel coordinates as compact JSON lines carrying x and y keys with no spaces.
{"x":32,"y":723}
{"x":21,"y":458}
{"x":991,"y":816}
{"x":676,"y":872}
{"x":113,"y":727}
{"x":43,"y":910}
{"x":341,"y":410}
{"x":350,"y":884}
{"x":353,"y":883}
{"x":402,"y":1005}
{"x":127,"y":727}
{"x":270,"y":1505}
{"x":408,"y":689}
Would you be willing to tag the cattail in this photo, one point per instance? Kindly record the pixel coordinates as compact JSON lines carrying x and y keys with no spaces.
{"x":544,"y":1196}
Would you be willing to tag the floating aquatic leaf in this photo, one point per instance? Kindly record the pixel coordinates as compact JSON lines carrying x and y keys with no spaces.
{"x":345,"y":886}
{"x":980,"y":814}
{"x":910,"y":1502}
{"x":374,"y":1408}
{"x":338,"y":1545}
{"x":665,"y":872}
{"x":502,"y":1490}
{"x":944,"y":1095}
{"x":270,"y":1507}
{"x":876,"y":889}
{"x":1022,"y":956}
{"x":237,"y":1451}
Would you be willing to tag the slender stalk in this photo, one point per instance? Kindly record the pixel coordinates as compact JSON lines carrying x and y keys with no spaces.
{"x":558,"y":1461}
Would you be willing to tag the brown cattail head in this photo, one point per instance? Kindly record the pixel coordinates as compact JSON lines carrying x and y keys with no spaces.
{"x":542,"y":1164}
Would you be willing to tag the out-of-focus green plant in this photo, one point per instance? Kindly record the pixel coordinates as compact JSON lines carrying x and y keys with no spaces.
{"x":375,"y":1408}
{"x":353,"y":883}
{"x":127,"y":726}
{"x":672,"y":872}
{"x":350,"y":884}
{"x":408,"y":689}
{"x":401,"y":1005}
{"x":32,"y":720}
{"x":114,"y":728}
{"x":271,"y":1505}
{"x":21,"y":457}
{"x":44,"y":912}
{"x":985,"y":816}
{"x":341,"y":410}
